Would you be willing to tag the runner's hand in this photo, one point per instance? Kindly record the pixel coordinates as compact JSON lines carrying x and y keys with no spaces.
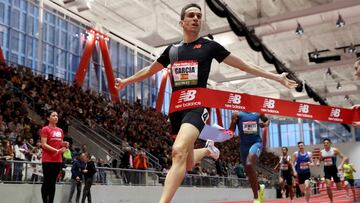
{"x":287,"y":82}
{"x":356,"y":124}
{"x":356,"y":106}
{"x":119,"y":84}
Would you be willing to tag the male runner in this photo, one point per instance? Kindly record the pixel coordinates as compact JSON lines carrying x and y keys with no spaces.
{"x":250,"y":146}
{"x":302,"y":162}
{"x":348,"y":170}
{"x":328,"y":155}
{"x":286,"y":173}
{"x":190,"y":62}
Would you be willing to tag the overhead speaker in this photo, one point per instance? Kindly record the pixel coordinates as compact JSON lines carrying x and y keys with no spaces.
{"x":84,"y":7}
{"x":68,"y":1}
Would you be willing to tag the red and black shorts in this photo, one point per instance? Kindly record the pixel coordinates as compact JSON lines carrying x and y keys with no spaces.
{"x":196,"y":117}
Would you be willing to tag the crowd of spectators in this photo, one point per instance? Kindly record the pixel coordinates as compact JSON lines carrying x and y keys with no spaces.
{"x":138,"y":126}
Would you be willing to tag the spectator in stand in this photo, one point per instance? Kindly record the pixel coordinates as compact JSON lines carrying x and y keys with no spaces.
{"x":101,"y":174}
{"x":112,"y":161}
{"x":20,"y":150}
{"x":2,"y":161}
{"x":89,"y":173}
{"x":3,"y":126}
{"x":36,"y":160}
{"x":7,"y":155}
{"x":84,"y":148}
{"x":77,"y":176}
{"x":127,"y":163}
{"x":53,"y":148}
{"x":67,"y":158}
{"x":140,"y":163}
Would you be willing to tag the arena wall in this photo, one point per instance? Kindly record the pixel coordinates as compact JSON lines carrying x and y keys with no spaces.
{"x":30,"y":193}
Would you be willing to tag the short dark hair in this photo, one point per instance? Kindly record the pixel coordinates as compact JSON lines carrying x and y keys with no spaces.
{"x":326,"y":139}
{"x":301,"y":142}
{"x":182,"y":14}
{"x":285,"y":148}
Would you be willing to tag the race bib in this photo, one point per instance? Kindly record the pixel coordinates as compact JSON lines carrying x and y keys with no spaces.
{"x":346,"y":170}
{"x":250,"y":127}
{"x":304,"y":166}
{"x":185,"y":73}
{"x":328,"y":161}
{"x":284,"y":167}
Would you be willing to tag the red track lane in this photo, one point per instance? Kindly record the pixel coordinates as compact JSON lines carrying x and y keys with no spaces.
{"x":339,"y":197}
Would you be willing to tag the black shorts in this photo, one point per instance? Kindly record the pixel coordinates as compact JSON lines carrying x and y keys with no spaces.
{"x":197,"y":117}
{"x":332,"y":171}
{"x":350,"y":181}
{"x":303,"y":177}
{"x":287,"y":176}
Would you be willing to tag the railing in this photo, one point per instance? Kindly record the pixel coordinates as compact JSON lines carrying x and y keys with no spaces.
{"x":152,"y":160}
{"x":30,"y":172}
{"x":99,"y":139}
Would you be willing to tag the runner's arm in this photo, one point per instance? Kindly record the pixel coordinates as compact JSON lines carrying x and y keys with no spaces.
{"x":341,"y":155}
{"x":234,"y":118}
{"x":236,"y":62}
{"x":140,"y":75}
{"x":276,"y":168}
{"x":265,"y":120}
{"x":294,"y":159}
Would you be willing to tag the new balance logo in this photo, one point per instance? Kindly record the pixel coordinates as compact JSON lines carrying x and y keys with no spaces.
{"x":303,"y":108}
{"x":234,"y":99}
{"x":335,"y":112}
{"x":269,"y":103}
{"x":187,"y":95}
{"x":57,"y":134}
{"x":205,"y":115}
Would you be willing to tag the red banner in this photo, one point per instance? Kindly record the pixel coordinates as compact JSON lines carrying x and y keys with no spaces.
{"x":191,"y":98}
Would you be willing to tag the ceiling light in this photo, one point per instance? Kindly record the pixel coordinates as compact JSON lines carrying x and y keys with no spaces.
{"x":315,"y":54}
{"x":328,"y":72}
{"x":346,"y":97}
{"x":340,"y":22}
{"x":352,"y":48}
{"x":299,"y":30}
{"x":338,"y":86}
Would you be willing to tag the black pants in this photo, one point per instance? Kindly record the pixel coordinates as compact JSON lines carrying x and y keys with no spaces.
{"x":86,"y":191}
{"x":51,"y":171}
{"x":77,"y":184}
{"x":2,"y":169}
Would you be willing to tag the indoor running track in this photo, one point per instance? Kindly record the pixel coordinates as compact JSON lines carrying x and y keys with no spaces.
{"x":339,"y":197}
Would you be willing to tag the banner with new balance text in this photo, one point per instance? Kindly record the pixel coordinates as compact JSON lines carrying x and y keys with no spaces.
{"x":196,"y":97}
